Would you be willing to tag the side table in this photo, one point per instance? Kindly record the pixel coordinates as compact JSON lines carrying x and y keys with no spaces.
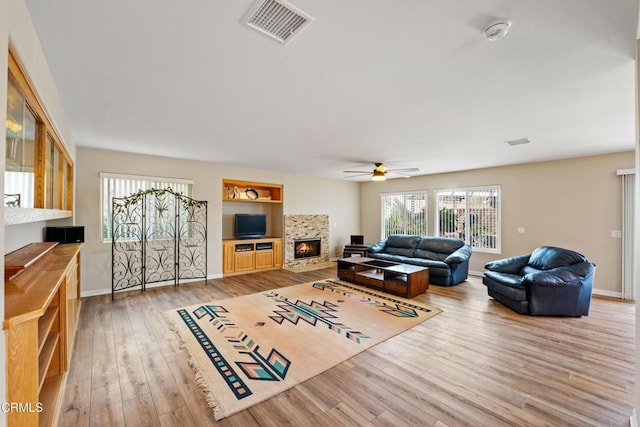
{"x":350,"y":250}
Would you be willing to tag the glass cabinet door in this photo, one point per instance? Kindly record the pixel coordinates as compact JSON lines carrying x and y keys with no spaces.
{"x":38,"y":169}
{"x":48,"y":172}
{"x":56,"y":181}
{"x":21,"y":129}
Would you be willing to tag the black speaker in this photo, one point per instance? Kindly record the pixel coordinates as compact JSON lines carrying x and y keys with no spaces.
{"x":70,"y":234}
{"x":357,"y":240}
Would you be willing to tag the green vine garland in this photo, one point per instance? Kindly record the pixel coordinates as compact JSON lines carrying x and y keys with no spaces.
{"x":135,"y":198}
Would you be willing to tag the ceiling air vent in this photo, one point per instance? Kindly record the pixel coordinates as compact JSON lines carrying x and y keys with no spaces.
{"x":277,"y":19}
{"x":518,"y":141}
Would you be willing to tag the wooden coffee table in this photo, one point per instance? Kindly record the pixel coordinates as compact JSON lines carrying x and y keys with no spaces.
{"x":396,"y":278}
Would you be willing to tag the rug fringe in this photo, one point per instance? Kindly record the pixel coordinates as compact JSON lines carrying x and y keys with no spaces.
{"x":202,"y":385}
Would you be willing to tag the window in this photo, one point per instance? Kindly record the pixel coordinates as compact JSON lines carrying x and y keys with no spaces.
{"x":117,"y":185}
{"x":404,"y":213}
{"x":470,"y":214}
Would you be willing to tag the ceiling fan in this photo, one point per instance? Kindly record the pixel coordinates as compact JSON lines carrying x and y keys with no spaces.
{"x":380,"y":172}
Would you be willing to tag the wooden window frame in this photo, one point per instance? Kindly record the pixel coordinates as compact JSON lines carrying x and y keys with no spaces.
{"x":44,"y":129}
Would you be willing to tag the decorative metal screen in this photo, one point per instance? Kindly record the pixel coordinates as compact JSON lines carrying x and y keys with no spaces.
{"x":157,"y":236}
{"x":192,"y":242}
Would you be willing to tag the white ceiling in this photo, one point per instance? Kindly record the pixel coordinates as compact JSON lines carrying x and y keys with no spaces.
{"x":411,"y":83}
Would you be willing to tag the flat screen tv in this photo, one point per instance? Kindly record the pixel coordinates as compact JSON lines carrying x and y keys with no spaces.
{"x":251,"y":226}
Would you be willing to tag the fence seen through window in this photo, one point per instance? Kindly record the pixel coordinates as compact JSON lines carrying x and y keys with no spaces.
{"x":470,"y":214}
{"x":404,"y":213}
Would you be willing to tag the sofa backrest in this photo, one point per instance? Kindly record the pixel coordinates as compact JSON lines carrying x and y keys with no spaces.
{"x":400,"y":244}
{"x":437,"y":248}
{"x":548,"y":257}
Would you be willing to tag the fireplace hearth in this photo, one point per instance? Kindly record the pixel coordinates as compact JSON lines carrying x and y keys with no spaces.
{"x":306,"y":248}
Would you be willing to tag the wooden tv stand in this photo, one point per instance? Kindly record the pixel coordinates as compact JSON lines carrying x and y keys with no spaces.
{"x":241,"y":256}
{"x":400,"y":279}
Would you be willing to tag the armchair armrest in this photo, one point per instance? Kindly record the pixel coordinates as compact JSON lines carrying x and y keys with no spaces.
{"x":511,"y":265}
{"x":561,"y":276}
{"x":377,"y":247}
{"x":459,"y":256}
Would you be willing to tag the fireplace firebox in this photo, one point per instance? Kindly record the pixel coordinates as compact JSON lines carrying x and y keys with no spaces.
{"x":306,"y":248}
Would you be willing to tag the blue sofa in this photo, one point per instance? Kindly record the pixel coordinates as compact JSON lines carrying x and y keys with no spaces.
{"x":549,"y":281}
{"x":447,"y":259}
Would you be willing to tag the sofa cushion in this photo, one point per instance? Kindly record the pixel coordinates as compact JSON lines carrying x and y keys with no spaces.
{"x":431,"y":263}
{"x":427,"y":254}
{"x":442,"y":245}
{"x":401,"y":245}
{"x":548,"y":257}
{"x":402,"y":241}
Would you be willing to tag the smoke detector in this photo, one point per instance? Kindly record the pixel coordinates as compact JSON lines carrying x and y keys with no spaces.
{"x":497,"y":29}
{"x":277,"y":19}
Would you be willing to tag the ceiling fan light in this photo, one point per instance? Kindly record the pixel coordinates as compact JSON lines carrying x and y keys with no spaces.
{"x":378,"y":176}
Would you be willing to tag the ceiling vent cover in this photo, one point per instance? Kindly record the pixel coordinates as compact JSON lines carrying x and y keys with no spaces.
{"x":277,"y":19}
{"x":518,"y":141}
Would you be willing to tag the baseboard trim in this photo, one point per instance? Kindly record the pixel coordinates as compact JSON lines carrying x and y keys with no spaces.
{"x":605,"y":293}
{"x":107,"y":291}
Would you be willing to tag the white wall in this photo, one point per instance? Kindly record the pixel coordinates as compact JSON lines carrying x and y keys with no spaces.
{"x":302,"y":195}
{"x":573,"y":203}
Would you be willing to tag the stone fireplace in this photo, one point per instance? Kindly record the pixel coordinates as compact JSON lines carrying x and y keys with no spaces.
{"x":306,"y":240}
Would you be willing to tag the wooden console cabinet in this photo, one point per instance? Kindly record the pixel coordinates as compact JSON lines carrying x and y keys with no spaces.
{"x":251,"y":255}
{"x":42,"y":303}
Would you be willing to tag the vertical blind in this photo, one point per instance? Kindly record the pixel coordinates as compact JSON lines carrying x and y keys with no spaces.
{"x":117,"y":185}
{"x":404,"y":213}
{"x":628,"y":210}
{"x":20,"y":184}
{"x":470,"y":214}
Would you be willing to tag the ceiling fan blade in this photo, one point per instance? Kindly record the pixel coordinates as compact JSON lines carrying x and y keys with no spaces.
{"x":361,"y":174}
{"x":364,"y":172}
{"x":404,"y":175}
{"x":403,"y":170}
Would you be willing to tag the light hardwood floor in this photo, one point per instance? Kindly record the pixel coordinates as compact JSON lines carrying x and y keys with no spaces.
{"x":477,"y":363}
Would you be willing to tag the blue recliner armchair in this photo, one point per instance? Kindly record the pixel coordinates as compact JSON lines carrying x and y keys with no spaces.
{"x":548,"y":282}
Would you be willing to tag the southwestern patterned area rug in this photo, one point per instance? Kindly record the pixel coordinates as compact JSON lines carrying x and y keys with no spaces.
{"x":247,"y":349}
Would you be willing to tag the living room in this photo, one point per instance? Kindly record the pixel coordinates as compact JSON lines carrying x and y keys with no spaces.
{"x":543,"y":201}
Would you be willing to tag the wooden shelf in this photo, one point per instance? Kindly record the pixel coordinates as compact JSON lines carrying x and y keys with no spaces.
{"x":50,"y":398}
{"x":236,"y":190}
{"x":42,"y":303}
{"x":44,"y":325}
{"x":46,"y":356}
